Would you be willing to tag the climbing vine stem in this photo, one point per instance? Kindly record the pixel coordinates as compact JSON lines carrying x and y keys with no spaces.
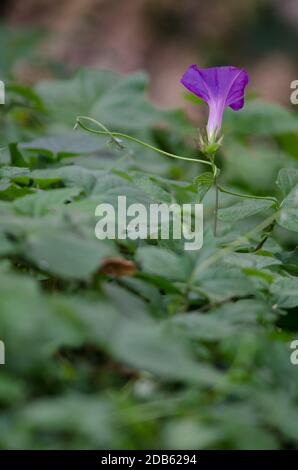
{"x":248,"y":196}
{"x":117,"y":136}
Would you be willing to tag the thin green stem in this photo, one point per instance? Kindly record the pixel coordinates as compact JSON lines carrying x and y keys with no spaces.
{"x":115,"y":135}
{"x":248,"y":196}
{"x":215,"y":209}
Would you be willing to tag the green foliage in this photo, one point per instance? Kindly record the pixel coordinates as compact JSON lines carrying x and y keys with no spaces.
{"x":203,"y":183}
{"x":262,"y":119}
{"x":187,"y":350}
{"x":244,"y":209}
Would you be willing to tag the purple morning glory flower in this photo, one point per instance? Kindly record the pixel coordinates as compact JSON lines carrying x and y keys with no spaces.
{"x":219,"y":87}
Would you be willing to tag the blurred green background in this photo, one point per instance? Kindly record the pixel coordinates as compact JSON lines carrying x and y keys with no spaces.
{"x":160,"y":36}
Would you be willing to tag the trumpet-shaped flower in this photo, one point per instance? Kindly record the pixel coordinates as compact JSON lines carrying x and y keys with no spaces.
{"x":219,"y":87}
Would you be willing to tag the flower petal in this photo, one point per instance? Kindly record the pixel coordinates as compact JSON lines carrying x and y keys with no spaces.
{"x":194,"y":82}
{"x":235,"y":98}
{"x":224,"y":84}
{"x":219,"y":87}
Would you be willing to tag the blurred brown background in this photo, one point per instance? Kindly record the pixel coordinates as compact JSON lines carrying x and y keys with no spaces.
{"x":164,"y":37}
